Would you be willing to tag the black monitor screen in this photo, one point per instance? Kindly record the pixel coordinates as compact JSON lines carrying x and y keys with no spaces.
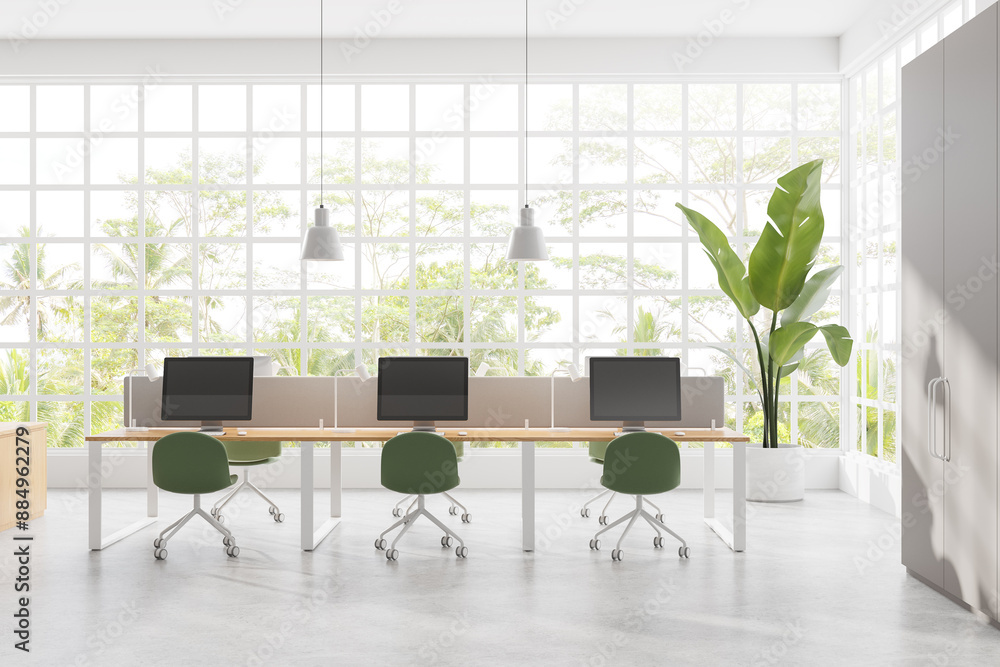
{"x":423,"y":388}
{"x":635,"y":389}
{"x":207,"y":388}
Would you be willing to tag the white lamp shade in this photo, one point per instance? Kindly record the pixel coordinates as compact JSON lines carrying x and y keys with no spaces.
{"x":362,"y":372}
{"x":527,"y":243}
{"x":322,"y":243}
{"x":574,"y":372}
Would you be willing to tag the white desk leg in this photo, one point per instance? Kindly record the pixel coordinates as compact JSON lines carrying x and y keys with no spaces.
{"x":152,"y":493}
{"x":336,"y":478}
{"x":739,"y":496}
{"x":94,"y":494}
{"x":310,"y":537}
{"x":735,"y":539}
{"x":709,"y":483}
{"x":95,"y":483}
{"x":528,"y":496}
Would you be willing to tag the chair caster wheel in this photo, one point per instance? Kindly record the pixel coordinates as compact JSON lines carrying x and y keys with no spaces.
{"x":617,"y":554}
{"x":466,"y":518}
{"x":380,"y":544}
{"x":392,"y":554}
{"x":659,"y":517}
{"x":585,"y":512}
{"x":658,"y":542}
{"x":220,"y":518}
{"x":279,"y":517}
{"x":684,"y":552}
{"x":228,"y":541}
{"x":595,"y":545}
{"x":158,"y":542}
{"x":232,"y":551}
{"x":396,"y":512}
{"x":603,"y":520}
{"x":271,"y":510}
{"x":462,"y":552}
{"x":453,"y":511}
{"x":160,"y":554}
{"x":446,"y":541}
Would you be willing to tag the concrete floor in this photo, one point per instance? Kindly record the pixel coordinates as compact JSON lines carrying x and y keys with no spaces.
{"x":820,"y":584}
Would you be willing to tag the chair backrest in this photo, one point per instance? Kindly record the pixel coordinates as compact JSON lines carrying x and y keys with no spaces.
{"x":642,"y":464}
{"x":190,"y":462}
{"x":422,"y":463}
{"x":251,"y":450}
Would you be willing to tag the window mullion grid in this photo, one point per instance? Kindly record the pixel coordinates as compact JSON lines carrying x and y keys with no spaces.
{"x":304,"y":352}
{"x":740,"y":221}
{"x":358,"y":229}
{"x":196,"y":224}
{"x":575,"y":242}
{"x":467,"y":217}
{"x":629,"y":225}
{"x":412,"y":199}
{"x":522,"y":182}
{"x":33,"y":262}
{"x":793,"y":379}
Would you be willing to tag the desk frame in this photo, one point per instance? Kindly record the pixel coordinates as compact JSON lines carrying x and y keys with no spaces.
{"x":311,"y":537}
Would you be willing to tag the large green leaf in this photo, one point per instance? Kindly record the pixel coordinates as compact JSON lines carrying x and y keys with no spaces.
{"x":786,"y":342}
{"x":813,"y":295}
{"x":839,"y":341}
{"x":787,"y":247}
{"x":733,"y":277}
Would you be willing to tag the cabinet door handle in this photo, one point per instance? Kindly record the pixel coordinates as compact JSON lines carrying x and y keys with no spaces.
{"x":932,"y":417}
{"x":947,"y":420}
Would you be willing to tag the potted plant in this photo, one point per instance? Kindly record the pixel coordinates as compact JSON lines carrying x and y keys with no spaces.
{"x":777,"y":279}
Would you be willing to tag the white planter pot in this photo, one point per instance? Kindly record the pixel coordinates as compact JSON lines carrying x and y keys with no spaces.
{"x":776,"y":475}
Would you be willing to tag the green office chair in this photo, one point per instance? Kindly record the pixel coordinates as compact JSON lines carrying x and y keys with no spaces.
{"x":409,"y":500}
{"x":596,"y":451}
{"x":244,"y":455}
{"x":639,"y":464}
{"x":420,"y":464}
{"x":191,"y":463}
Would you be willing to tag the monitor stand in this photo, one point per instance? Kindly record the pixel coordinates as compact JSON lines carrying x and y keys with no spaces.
{"x":633,"y":427}
{"x":211,"y":428}
{"x":425,"y":427}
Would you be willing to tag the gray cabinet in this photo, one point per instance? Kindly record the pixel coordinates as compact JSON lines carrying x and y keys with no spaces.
{"x":950,"y":369}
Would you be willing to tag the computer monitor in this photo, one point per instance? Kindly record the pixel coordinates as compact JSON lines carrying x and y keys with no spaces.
{"x":207,"y":389}
{"x":634,"y":390}
{"x":423,"y":390}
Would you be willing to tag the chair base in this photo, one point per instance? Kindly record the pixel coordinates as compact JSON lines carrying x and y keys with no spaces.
{"x":228,"y":541}
{"x":656,"y":522}
{"x":410,"y":500}
{"x":246,"y":483}
{"x":391,"y":553}
{"x":603,"y":517}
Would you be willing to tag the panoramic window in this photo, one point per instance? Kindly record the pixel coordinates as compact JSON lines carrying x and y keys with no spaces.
{"x":169,"y":215}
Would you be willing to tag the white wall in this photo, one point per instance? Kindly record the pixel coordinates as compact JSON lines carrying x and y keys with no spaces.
{"x":696,"y":55}
{"x":486,"y":469}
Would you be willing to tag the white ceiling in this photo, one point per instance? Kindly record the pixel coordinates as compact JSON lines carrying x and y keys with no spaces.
{"x":151,"y":19}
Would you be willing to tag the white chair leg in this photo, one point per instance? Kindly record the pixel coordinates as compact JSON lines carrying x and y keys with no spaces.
{"x":455,"y":503}
{"x":597,"y":497}
{"x":407,"y":525}
{"x":650,"y":503}
{"x":447,"y":531}
{"x":399,"y":506}
{"x":253,"y":487}
{"x":613,"y":524}
{"x":653,"y":520}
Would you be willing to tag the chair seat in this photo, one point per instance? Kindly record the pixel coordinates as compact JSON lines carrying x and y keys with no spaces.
{"x":260,"y":462}
{"x":233,"y":479}
{"x":597,"y":451}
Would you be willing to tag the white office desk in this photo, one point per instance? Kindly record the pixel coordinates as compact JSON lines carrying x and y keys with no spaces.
{"x":307,"y":437}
